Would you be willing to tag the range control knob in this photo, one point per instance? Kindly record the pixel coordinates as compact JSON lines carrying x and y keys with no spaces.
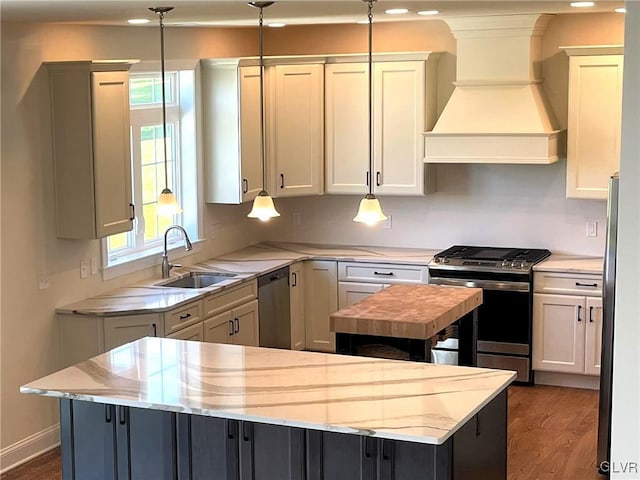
{"x":506,"y":263}
{"x":523,"y":263}
{"x":515,"y":264}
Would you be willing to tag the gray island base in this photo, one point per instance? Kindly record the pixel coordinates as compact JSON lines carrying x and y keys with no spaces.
{"x":171,"y":409}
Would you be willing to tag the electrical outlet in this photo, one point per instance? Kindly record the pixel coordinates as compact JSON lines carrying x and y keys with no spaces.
{"x":43,"y":281}
{"x":297,"y":218}
{"x":94,"y":265}
{"x":84,"y":269}
{"x":592,"y":229}
{"x":387,"y":223}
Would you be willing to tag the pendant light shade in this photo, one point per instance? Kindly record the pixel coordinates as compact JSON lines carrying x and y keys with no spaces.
{"x":263,"y":207}
{"x":167,"y":202}
{"x":370,"y":210}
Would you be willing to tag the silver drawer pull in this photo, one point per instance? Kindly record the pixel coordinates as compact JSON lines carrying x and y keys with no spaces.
{"x":579,"y":284}
{"x":386,"y":274}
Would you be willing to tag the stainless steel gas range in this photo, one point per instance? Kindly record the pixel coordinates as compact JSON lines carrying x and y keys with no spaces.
{"x":505,"y":317}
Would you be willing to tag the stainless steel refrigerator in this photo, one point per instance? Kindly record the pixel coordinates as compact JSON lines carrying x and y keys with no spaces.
{"x":608,"y":299}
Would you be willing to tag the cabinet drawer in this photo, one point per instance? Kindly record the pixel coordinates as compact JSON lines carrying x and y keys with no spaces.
{"x":568,"y":283}
{"x":230,"y":298}
{"x":183,"y":316}
{"x":382,"y":273}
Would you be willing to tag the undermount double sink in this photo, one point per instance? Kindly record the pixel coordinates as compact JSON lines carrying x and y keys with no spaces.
{"x":197,"y":280}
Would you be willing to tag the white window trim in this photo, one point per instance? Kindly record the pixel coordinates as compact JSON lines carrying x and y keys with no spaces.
{"x":152,"y":257}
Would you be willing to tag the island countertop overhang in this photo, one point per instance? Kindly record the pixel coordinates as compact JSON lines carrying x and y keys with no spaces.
{"x":397,"y":400}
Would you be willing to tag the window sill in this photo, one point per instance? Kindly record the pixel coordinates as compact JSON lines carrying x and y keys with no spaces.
{"x":148,"y":259}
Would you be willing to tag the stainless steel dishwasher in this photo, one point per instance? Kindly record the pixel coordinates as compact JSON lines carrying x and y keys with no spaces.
{"x":274,"y":310}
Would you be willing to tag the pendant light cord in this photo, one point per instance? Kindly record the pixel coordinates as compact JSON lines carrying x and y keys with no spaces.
{"x":262,"y":145}
{"x":370,"y":16}
{"x":164,"y":103}
{"x":160,"y":11}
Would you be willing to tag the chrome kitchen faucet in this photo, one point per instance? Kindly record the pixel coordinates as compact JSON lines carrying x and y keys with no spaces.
{"x":166,"y":266}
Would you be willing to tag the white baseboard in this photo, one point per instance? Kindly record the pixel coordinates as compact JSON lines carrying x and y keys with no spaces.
{"x":28,"y":448}
{"x":591,"y":382}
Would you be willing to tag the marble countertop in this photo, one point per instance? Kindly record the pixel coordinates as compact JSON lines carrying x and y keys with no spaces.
{"x":571,"y":264}
{"x":417,"y":402}
{"x":407,"y":311}
{"x":247,"y":263}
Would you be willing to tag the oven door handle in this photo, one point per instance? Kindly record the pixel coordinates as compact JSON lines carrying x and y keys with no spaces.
{"x":486,"y":284}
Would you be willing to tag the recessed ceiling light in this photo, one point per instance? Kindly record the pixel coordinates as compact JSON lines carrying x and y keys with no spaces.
{"x":396,"y":11}
{"x":138,"y":21}
{"x":276,"y":25}
{"x":582,"y":4}
{"x":620,"y":10}
{"x":428,"y":12}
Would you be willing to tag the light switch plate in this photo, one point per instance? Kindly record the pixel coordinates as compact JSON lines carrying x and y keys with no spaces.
{"x":387,"y":223}
{"x":297,"y":218}
{"x":43,"y":280}
{"x":84,"y":269}
{"x":592,"y":229}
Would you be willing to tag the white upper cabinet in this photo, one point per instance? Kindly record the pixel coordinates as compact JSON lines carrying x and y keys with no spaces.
{"x":231,"y":120}
{"x":594,"y":119}
{"x":347,"y":128}
{"x":403,"y":106}
{"x":91,"y":148}
{"x":296,"y":126}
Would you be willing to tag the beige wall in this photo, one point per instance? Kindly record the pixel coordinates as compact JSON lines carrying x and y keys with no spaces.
{"x":29,"y":347}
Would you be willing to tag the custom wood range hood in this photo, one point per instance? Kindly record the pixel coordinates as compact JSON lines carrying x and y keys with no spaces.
{"x":498,"y":112}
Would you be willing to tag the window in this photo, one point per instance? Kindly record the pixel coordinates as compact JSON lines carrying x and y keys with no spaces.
{"x":148,"y":166}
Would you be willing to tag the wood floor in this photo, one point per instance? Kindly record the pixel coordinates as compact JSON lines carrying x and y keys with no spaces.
{"x":552,"y":436}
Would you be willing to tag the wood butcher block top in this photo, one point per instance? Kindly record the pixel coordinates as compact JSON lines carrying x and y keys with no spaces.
{"x":407,"y":311}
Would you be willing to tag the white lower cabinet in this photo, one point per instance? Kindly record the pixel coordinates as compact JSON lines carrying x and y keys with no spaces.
{"x":194,"y":333}
{"x":352,"y":292}
{"x":359,"y":280}
{"x":296,"y":301}
{"x":85,"y":336}
{"x":567,"y":333}
{"x":320,"y":301}
{"x":238,"y":326}
{"x":121,"y":330}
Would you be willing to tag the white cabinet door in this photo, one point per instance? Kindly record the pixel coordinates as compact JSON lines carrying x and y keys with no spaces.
{"x":594,"y":123}
{"x":251,"y":167}
{"x":559,"y":333}
{"x":111,"y":150}
{"x":245,"y":318}
{"x":219,"y":329}
{"x":296,"y":120}
{"x":91,"y":148}
{"x":231,"y":131}
{"x":194,"y":333}
{"x":121,"y":330}
{"x":296,"y":300}
{"x":351,"y":292}
{"x":347,"y":128}
{"x":593,"y":337}
{"x":399,"y":122}
{"x":320,"y":301}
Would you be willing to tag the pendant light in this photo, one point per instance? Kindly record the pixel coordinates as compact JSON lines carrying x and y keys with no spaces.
{"x":370,"y":211}
{"x":263,"y":207}
{"x":167,"y":203}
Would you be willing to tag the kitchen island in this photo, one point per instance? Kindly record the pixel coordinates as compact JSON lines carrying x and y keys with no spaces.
{"x":171,"y":409}
{"x":409,"y":316}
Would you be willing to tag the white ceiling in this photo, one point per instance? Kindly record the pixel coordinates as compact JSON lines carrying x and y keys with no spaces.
{"x":301,"y":12}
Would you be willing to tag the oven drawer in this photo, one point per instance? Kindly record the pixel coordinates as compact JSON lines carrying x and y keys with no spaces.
{"x":567,"y":283}
{"x":505,"y":362}
{"x":382,"y":273}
